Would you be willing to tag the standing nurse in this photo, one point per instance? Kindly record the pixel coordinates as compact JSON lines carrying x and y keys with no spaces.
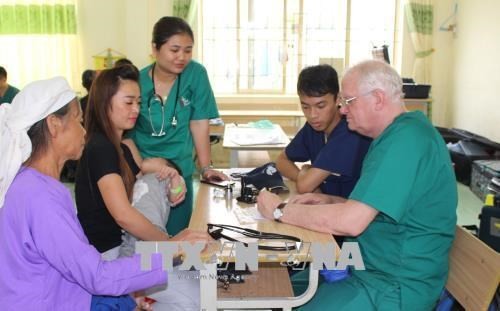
{"x":177,"y":102}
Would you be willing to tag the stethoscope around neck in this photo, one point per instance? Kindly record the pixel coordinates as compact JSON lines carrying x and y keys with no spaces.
{"x":156,"y":98}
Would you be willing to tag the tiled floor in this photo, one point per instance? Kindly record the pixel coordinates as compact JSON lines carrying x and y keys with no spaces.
{"x":469,"y":206}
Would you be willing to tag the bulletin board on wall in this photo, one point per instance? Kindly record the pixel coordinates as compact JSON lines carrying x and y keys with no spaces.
{"x":106,"y":59}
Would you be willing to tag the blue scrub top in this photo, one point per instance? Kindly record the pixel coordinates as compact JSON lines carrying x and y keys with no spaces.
{"x":342,"y":155}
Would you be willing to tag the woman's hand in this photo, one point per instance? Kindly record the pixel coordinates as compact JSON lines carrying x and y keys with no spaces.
{"x":177,"y":187}
{"x":165,"y":172}
{"x":214,"y":175}
{"x":142,"y":304}
{"x":190,"y":235}
{"x":177,"y":191}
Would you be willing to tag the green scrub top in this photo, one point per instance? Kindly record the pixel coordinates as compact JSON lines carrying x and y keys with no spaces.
{"x":9,"y":95}
{"x":408,"y":177}
{"x":196,"y":101}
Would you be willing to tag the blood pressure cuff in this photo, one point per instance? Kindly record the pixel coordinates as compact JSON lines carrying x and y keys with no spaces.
{"x":265,"y":176}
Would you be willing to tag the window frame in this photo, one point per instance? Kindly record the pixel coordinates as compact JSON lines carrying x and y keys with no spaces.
{"x":395,"y":50}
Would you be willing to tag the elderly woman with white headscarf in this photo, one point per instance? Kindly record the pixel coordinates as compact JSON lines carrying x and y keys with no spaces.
{"x":46,"y":262}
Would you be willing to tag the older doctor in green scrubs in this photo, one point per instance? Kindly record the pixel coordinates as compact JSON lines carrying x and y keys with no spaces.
{"x":402,"y":211}
{"x":177,"y":102}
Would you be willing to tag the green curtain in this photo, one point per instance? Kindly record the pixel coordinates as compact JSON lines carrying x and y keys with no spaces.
{"x":31,"y":30}
{"x":420,"y":17}
{"x":181,"y":8}
{"x":37,"y":19}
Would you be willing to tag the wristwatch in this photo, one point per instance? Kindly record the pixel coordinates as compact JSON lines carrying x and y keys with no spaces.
{"x":278,"y":211}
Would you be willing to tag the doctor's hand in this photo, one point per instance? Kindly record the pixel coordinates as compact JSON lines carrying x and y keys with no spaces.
{"x":311,"y":198}
{"x":267,"y":203}
{"x":316,"y":198}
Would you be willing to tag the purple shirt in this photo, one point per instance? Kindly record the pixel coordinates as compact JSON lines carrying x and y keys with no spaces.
{"x":46,"y":262}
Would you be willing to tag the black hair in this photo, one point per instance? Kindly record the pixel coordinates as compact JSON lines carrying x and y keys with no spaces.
{"x":87,"y":77}
{"x":167,"y":27}
{"x":123,"y":61}
{"x":316,"y":81}
{"x":3,"y":72}
{"x":105,"y":86}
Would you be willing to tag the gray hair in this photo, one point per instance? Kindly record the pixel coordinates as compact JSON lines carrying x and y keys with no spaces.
{"x":39,"y":132}
{"x":375,"y":74}
{"x":33,"y":103}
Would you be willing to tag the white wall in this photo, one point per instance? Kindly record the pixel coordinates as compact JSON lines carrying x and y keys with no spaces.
{"x":441,"y":62}
{"x":476,"y":78}
{"x":101,"y":26}
{"x":442,"y":65}
{"x":122,"y":25}
{"x":465,"y":70}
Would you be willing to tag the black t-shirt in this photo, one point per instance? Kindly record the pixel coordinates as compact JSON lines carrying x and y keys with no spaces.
{"x":99,"y":158}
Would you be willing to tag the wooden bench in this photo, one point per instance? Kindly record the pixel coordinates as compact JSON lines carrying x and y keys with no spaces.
{"x":474,"y":273}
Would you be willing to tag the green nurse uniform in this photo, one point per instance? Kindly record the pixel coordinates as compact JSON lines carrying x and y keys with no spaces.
{"x":195,"y":101}
{"x":9,"y":95}
{"x":408,"y":177}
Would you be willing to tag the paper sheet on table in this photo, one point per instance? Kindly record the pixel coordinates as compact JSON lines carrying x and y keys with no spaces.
{"x":247,"y":136}
{"x":247,"y":215}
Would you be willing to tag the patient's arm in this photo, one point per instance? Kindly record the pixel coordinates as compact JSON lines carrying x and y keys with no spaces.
{"x":307,"y":178}
{"x":150,"y":165}
{"x":286,"y":167}
{"x":310,"y":178}
{"x":163,"y":169}
{"x":115,"y":199}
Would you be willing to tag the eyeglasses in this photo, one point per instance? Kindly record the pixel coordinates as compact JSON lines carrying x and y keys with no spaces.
{"x":344,"y":102}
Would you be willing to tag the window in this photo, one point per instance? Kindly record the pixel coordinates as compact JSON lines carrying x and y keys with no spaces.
{"x":260,"y":46}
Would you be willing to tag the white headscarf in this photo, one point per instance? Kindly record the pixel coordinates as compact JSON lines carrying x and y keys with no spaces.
{"x":34,"y":103}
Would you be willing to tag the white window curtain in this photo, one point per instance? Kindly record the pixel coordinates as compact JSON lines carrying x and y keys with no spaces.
{"x":38,"y":40}
{"x":419,"y":15}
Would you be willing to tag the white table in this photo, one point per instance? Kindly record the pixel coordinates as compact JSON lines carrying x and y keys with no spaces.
{"x":209,"y":209}
{"x":239,"y":137}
